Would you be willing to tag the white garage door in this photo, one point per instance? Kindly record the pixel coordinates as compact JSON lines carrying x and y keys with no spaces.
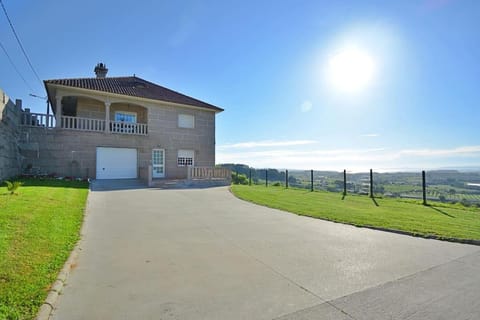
{"x":116,"y":163}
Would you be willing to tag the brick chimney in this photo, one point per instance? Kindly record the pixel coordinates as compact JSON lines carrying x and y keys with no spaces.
{"x":101,"y":70}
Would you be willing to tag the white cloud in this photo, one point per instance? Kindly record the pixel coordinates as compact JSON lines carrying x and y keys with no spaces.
{"x":302,"y":154}
{"x":306,"y":106}
{"x":265,"y":144}
{"x":334,"y":159}
{"x":459,"y":151}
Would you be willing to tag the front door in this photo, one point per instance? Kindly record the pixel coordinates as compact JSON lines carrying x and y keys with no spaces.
{"x":158,"y":163}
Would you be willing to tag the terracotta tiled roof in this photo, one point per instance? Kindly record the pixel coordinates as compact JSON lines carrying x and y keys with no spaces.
{"x":134,"y":87}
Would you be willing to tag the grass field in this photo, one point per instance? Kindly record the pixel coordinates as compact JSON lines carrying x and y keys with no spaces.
{"x":438,"y":219}
{"x":38,"y":228}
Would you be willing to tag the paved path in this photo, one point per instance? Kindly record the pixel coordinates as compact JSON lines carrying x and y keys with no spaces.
{"x":203,"y":254}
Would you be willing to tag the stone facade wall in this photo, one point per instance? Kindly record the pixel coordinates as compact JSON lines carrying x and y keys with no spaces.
{"x":10,"y":159}
{"x":90,"y":108}
{"x":163,"y":127}
{"x":73,"y":153}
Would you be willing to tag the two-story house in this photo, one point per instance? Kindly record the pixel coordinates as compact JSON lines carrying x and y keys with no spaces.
{"x":117,"y":128}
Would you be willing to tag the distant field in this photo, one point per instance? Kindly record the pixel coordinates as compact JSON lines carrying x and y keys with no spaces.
{"x":442,"y":185}
{"x":405,"y":189}
{"x":439,"y":219}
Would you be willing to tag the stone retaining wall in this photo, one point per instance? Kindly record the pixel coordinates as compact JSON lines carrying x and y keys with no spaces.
{"x":10,"y":159}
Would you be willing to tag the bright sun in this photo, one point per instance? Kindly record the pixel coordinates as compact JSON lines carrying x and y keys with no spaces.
{"x":351,"y":70}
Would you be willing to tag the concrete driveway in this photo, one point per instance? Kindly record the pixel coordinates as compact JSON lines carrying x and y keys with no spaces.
{"x":203,"y":254}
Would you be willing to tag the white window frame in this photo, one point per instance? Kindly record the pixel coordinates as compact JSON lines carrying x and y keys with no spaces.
{"x":186,"y":121}
{"x":126,"y":113}
{"x":185,"y":158}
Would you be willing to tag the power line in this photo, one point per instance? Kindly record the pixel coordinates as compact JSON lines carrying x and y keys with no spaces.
{"x":15,"y":67}
{"x":19,"y":42}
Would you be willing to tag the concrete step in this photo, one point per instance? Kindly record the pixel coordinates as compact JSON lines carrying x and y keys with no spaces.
{"x":184,"y":184}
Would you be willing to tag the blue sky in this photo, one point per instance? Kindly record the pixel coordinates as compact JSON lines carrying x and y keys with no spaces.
{"x":267,"y":63}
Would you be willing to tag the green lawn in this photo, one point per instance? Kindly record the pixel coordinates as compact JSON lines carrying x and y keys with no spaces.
{"x":438,"y":219}
{"x":38,"y":229}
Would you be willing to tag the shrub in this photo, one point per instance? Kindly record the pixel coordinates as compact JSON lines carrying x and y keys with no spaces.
{"x":465,"y":202}
{"x":239,"y":178}
{"x":13,"y":186}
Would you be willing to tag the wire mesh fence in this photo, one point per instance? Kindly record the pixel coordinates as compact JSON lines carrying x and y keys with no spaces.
{"x":442,"y":185}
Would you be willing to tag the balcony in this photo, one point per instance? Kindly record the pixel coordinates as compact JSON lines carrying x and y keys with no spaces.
{"x":30,"y":119}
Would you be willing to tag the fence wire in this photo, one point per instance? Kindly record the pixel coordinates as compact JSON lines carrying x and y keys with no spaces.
{"x":443,"y":185}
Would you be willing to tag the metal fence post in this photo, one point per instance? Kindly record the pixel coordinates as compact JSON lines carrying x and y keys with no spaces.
{"x":344,"y":182}
{"x":286,"y":179}
{"x":266,"y":177}
{"x":311,"y":180}
{"x":424,"y":187}
{"x":371,"y":183}
{"x":250,"y":176}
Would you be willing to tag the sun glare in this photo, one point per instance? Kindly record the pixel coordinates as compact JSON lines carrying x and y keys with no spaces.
{"x":350,"y":70}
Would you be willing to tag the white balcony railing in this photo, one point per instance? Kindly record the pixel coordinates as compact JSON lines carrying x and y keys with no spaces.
{"x":31,"y":119}
{"x":128,"y":127}
{"x":209,"y":173}
{"x":83,"y":124}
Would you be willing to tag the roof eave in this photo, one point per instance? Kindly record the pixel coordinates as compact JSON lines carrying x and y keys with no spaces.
{"x":48,"y":95}
{"x":106,"y":94}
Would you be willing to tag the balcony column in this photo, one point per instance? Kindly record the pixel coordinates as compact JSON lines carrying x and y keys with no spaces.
{"x":58,"y":115}
{"x":107,"y":116}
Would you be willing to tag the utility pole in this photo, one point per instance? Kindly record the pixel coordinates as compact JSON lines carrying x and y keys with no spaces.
{"x":48,"y":107}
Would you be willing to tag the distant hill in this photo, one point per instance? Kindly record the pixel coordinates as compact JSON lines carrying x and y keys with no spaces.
{"x":448,"y":176}
{"x":257,"y":174}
